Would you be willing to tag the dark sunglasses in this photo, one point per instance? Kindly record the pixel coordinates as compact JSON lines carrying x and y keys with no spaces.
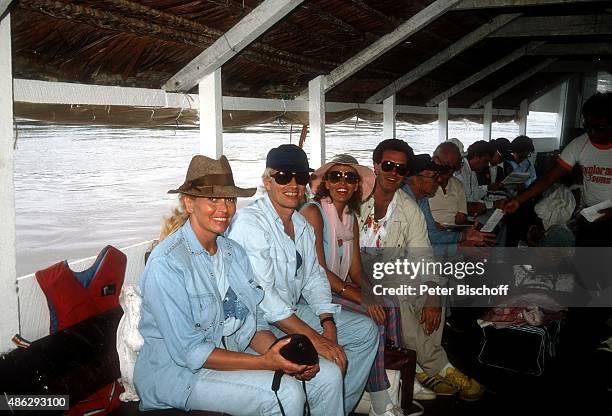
{"x":336,"y":176}
{"x":449,"y":168}
{"x":282,"y":177}
{"x":388,"y":166}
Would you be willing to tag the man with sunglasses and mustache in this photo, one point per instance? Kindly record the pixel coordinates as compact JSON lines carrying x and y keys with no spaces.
{"x":280,"y":244}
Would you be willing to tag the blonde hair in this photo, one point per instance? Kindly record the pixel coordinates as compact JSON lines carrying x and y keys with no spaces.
{"x":268,"y":172}
{"x":175,"y":220}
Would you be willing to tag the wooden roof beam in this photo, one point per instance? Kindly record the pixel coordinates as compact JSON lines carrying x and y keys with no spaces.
{"x":387,"y":42}
{"x":599,"y":24}
{"x":511,"y":84}
{"x":447,"y":54}
{"x":495,"y":66}
{"x":559,"y":49}
{"x":253,"y":25}
{"x":4,"y":6}
{"x":489,"y":4}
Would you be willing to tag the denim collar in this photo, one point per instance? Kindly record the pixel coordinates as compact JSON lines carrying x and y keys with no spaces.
{"x":299,"y":222}
{"x":195,"y":247}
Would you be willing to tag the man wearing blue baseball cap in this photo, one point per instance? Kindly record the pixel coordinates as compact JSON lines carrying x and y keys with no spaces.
{"x":280,"y":245}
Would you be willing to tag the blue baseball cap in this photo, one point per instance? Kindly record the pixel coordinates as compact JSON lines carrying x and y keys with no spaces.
{"x":288,"y":157}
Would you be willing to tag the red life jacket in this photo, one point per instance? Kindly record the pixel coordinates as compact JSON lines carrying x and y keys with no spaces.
{"x":75,"y":296}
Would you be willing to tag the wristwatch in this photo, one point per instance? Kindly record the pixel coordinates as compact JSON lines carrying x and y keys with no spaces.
{"x":328,"y":319}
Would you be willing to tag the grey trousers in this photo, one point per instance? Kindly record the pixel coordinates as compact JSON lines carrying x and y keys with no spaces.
{"x":429,"y":351}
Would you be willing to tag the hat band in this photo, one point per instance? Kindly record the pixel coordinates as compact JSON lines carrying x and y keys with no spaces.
{"x":213,"y":179}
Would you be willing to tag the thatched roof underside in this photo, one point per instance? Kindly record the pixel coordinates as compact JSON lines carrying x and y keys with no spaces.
{"x":143,"y":43}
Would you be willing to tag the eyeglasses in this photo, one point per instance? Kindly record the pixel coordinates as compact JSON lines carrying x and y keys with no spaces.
{"x":449,"y":168}
{"x":388,"y":166}
{"x":432,"y":178}
{"x":283,"y":177}
{"x":336,"y":176}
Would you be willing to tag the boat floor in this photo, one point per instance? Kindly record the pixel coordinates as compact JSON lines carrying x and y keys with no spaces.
{"x":578,"y":381}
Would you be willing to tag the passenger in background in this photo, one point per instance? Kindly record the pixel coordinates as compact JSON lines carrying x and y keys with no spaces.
{"x":478,"y":157}
{"x":339,"y":187}
{"x":521,"y":149}
{"x":195,"y":354}
{"x":281,"y":247}
{"x":422,"y":184}
{"x":499,"y":165}
{"x":593,"y":152}
{"x":449,"y":204}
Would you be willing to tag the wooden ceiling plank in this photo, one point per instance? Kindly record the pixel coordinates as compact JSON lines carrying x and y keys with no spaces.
{"x":598,"y":24}
{"x":387,"y":42}
{"x":510,"y":84}
{"x":489,"y":4}
{"x":444,"y":56}
{"x":494,"y":67}
{"x":253,"y":25}
{"x":560,"y":49}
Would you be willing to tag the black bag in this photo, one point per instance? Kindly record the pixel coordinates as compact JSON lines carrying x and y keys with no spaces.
{"x":520,"y":348}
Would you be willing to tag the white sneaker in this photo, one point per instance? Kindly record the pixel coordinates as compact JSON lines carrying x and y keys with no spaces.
{"x":391,"y":410}
{"x":422,"y":393}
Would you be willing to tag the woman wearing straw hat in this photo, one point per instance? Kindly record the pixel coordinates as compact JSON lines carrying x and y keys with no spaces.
{"x":339,"y":187}
{"x":200,"y":313}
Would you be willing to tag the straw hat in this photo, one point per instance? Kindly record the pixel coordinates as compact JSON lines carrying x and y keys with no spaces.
{"x":366,"y":175}
{"x":208,"y":177}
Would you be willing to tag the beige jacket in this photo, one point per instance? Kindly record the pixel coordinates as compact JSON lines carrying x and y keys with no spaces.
{"x":408,"y":228}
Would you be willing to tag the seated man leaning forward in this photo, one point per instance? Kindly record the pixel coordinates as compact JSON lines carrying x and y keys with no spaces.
{"x":281,"y":247}
{"x":196,"y":352}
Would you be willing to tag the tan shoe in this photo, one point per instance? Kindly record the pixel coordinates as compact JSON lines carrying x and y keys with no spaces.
{"x":469,"y":389}
{"x":437,"y":384}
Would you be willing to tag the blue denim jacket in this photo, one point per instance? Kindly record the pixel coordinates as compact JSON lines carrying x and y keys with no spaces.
{"x":182,"y":315}
{"x":259,"y":229}
{"x":442,"y":241}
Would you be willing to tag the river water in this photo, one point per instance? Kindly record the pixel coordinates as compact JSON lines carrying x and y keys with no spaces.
{"x":79,"y":188}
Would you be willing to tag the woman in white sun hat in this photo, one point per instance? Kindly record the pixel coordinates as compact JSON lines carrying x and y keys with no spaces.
{"x":339,"y":188}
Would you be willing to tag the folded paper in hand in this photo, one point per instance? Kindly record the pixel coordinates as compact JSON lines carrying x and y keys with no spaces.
{"x":592,"y":213}
{"x":492,"y":221}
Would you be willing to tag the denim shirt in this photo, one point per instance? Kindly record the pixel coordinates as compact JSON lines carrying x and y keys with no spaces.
{"x":272,"y":253}
{"x":527,"y":167}
{"x":182,"y":315}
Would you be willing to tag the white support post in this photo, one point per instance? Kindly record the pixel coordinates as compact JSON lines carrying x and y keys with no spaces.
{"x":389,"y":112}
{"x":316,"y":117}
{"x":487,"y":121}
{"x":9,"y":324}
{"x":522,"y":116}
{"x":211,"y":115}
{"x":443,"y":121}
{"x":561,"y":116}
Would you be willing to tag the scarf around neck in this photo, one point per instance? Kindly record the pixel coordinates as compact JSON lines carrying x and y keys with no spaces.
{"x":340,"y":234}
